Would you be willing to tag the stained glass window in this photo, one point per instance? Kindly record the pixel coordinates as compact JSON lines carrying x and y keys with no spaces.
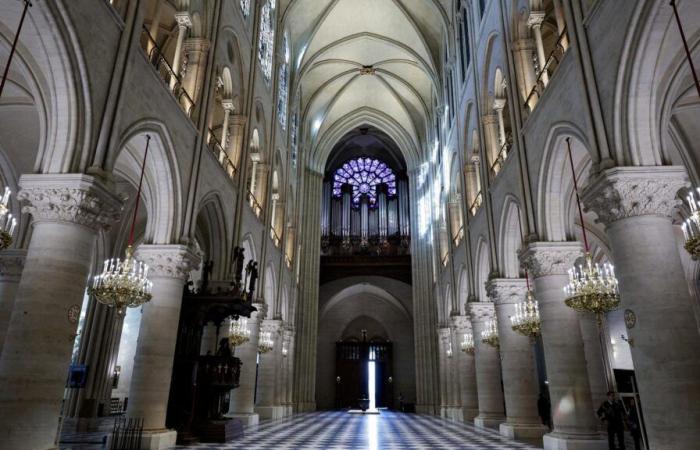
{"x":364,"y":175}
{"x":283,"y":88}
{"x":266,"y":42}
{"x":245,"y":7}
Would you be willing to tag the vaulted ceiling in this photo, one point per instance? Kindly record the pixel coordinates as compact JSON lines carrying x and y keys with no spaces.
{"x":359,"y":62}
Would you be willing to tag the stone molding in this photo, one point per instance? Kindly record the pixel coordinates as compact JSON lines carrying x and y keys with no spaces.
{"x":193,"y":45}
{"x":12,"y":264}
{"x":523,"y":44}
{"x":461,"y":324}
{"x":504,"y":291}
{"x":549,"y":258}
{"x":482,"y":311}
{"x":69,"y":198}
{"x":168,"y":261}
{"x":623,"y":192}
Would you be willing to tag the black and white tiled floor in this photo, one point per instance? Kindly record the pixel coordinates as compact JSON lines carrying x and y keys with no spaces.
{"x":388,"y":431}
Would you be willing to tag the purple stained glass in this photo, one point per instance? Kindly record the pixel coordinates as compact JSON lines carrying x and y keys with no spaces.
{"x":364,"y":175}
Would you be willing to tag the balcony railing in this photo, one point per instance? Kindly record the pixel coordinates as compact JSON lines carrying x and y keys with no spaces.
{"x":172,"y":81}
{"x":500,"y":159}
{"x":221,"y":156}
{"x":457,"y":238}
{"x":476,"y":204}
{"x":275,"y":238}
{"x":253,"y":202}
{"x":546,"y":72}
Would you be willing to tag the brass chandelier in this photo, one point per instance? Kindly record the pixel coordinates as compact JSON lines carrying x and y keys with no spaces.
{"x":691,"y":226}
{"x":490,"y":334}
{"x":265,"y":343}
{"x":124,"y":282}
{"x":238,"y":332}
{"x":592,"y":287}
{"x":467,"y":344}
{"x":7,"y":222}
{"x":526,"y":320}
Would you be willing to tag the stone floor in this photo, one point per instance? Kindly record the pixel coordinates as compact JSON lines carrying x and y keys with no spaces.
{"x":388,"y":431}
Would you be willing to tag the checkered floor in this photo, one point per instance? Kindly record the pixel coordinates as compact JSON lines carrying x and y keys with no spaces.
{"x":388,"y":431}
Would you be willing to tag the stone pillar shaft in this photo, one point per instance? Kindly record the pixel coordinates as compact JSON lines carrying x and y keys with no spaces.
{"x":11,"y":265}
{"x":517,"y":361}
{"x":242,"y":404}
{"x":67,"y":211}
{"x":636,"y":204}
{"x":488,"y":369}
{"x":155,"y":348}
{"x":573,"y":413}
{"x":466,"y":371}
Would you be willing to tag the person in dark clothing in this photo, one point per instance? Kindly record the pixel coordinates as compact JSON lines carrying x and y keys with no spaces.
{"x":544,"y":409}
{"x":612,"y":412}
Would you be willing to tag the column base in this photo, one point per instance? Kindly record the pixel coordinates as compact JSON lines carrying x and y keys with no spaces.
{"x":468,"y":415}
{"x":246,"y":418}
{"x":427,"y":409}
{"x":306,"y":407}
{"x":157,"y":440}
{"x":559,"y":441}
{"x":482,"y":421}
{"x":270,"y":412}
{"x":522,"y":431}
{"x":455,"y":413}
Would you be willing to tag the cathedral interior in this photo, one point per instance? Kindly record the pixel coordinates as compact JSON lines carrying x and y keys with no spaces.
{"x":351,"y":224}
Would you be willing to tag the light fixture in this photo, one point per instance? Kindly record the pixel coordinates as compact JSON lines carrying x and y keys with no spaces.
{"x":490,"y":334}
{"x":265,"y":343}
{"x":238,"y":332}
{"x":526,"y":320}
{"x":691,"y":226}
{"x":284,"y":349}
{"x":592,"y":287}
{"x":449,"y":350}
{"x":7,"y":222}
{"x":124,"y":283}
{"x":468,"y":344}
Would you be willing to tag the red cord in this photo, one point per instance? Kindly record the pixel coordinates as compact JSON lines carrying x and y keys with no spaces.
{"x":138,"y":193}
{"x":578,"y":200}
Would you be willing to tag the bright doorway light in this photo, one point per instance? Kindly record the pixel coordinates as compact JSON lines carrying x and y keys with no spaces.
{"x":372,"y":379}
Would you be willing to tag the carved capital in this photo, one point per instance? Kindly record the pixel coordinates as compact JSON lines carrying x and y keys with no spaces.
{"x":12,"y":264}
{"x":489,"y":119}
{"x":499,"y":104}
{"x":261,"y":312}
{"x":444,"y":334}
{"x":623,"y":192}
{"x":227,"y":104}
{"x":183,"y":19}
{"x":461,"y":324}
{"x":482,"y":311}
{"x":535,"y":19}
{"x":168,"y":261}
{"x":273,"y":326}
{"x":69,"y":198}
{"x":549,"y":258}
{"x":504,"y":291}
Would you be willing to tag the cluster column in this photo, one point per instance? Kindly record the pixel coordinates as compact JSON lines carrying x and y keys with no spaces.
{"x":155,"y":348}
{"x":636,"y":205}
{"x":488,"y":369}
{"x":67,"y":212}
{"x":242,"y":404}
{"x":517,"y":362}
{"x":573,"y":415}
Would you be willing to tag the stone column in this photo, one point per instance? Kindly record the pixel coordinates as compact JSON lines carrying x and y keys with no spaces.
{"x":184,"y":22}
{"x":242,"y":403}
{"x":11,"y":265}
{"x":524,"y":49}
{"x":196,"y":50}
{"x":67,"y":212}
{"x":535,"y":22}
{"x":267,"y":405}
{"x":598,"y":375}
{"x":443,"y":334}
{"x":517,"y":362}
{"x":228,"y":109}
{"x":235,"y":149}
{"x":490,"y":122}
{"x":155,"y":349}
{"x":573,"y":414}
{"x":467,"y":373}
{"x":498,"y":105}
{"x":636,"y":204}
{"x":288,"y":364}
{"x":488,"y":369}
